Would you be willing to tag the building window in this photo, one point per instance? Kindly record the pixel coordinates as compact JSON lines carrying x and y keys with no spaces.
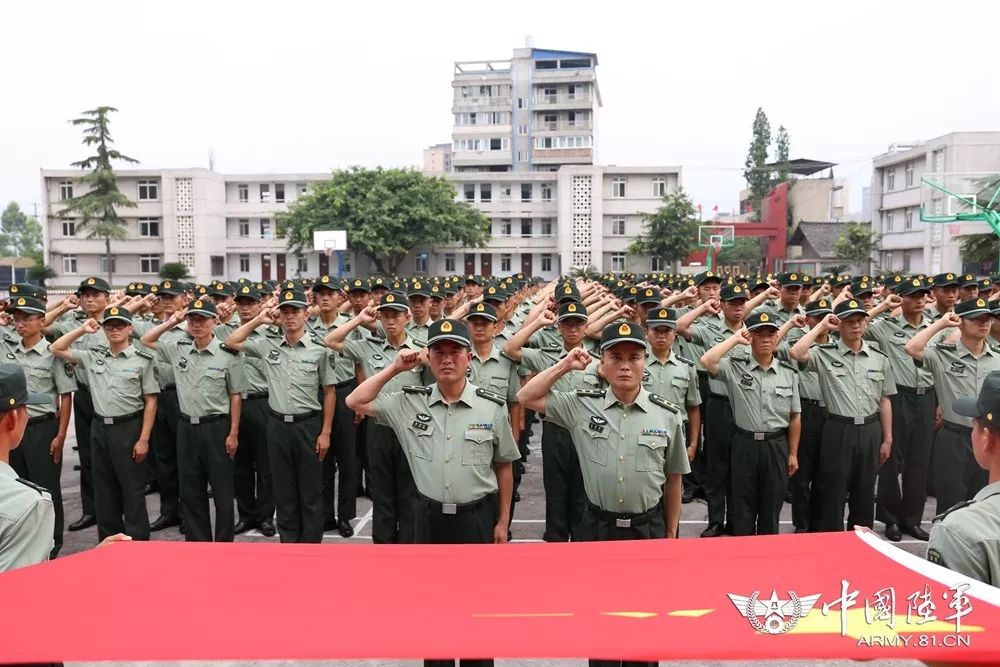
{"x":302,"y":264}
{"x":265,"y":228}
{"x":890,"y":179}
{"x":104,"y":264}
{"x":347,"y":264}
{"x":149,"y":190}
{"x":618,"y":187}
{"x":69,"y":227}
{"x":449,"y":263}
{"x":522,"y":130}
{"x":521,"y":103}
{"x":659,"y":186}
{"x":265,"y":193}
{"x":485,"y":192}
{"x":889,"y":215}
{"x":505,"y":262}
{"x":546,"y":226}
{"x":244,"y":227}
{"x":656,"y":263}
{"x":546,"y":192}
{"x":69,"y":263}
{"x":908,"y":219}
{"x":149,"y":263}
{"x":470,"y":191}
{"x":218,"y":266}
{"x":244,"y":263}
{"x":525,"y":191}
{"x":505,"y":227}
{"x":546,"y":262}
{"x":243,"y":191}
{"x":525,"y":226}
{"x":420,"y":262}
{"x":887,"y":260}
{"x":149,"y":227}
{"x":522,"y":156}
{"x":618,"y":262}
{"x":618,"y":226}
{"x":906,"y":260}
{"x":908,"y":175}
{"x":66,"y":190}
{"x":279,"y":192}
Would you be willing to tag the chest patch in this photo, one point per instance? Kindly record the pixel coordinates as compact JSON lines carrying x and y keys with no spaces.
{"x":746,"y":381}
{"x":423,"y":417}
{"x":958,"y":368}
{"x":597,"y":424}
{"x":481,"y":427}
{"x":10,"y":355}
{"x":420,"y":426}
{"x":655,"y":431}
{"x":99,"y":362}
{"x":273,"y":355}
{"x":182,"y":364}
{"x":837,"y":364}
{"x":900,"y":334}
{"x":377,"y":357}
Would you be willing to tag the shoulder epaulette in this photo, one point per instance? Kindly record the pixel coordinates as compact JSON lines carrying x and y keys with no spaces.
{"x":551,"y":348}
{"x":594,"y":354}
{"x":416,"y":389}
{"x":489,"y":395}
{"x":663,"y":403}
{"x":591,"y":393}
{"x":10,"y":339}
{"x":80,"y":315}
{"x":375,"y":339}
{"x":995,"y":348}
{"x":230,"y":350}
{"x":508,"y":357}
{"x":274,"y":330}
{"x":875,"y":348}
{"x":684,"y":361}
{"x":41,"y":489}
{"x":419,"y":343}
{"x":787,"y":365}
{"x":135,"y":335}
{"x":945,"y":346}
{"x":827,"y":346}
{"x":185,"y":341}
{"x":942,"y":515}
{"x":144,"y":355}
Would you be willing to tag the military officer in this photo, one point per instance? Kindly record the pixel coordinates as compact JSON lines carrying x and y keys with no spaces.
{"x":968,"y":287}
{"x":39,"y":457}
{"x":764,"y":394}
{"x":787,"y":305}
{"x":966,"y":538}
{"x":209,"y":380}
{"x":959,"y":369}
{"x":124,"y":394}
{"x":856,"y":380}
{"x":299,"y":370}
{"x":420,"y":319}
{"x":944,"y":289}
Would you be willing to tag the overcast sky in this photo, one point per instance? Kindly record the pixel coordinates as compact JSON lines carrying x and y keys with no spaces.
{"x":287,"y":86}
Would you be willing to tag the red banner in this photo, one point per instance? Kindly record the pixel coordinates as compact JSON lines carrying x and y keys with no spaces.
{"x":834,"y":595}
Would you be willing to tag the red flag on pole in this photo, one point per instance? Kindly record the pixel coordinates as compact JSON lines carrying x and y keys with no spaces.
{"x":715,"y":209}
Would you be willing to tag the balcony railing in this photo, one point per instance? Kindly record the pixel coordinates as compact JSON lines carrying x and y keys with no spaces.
{"x":564,"y":98}
{"x":552,"y":126}
{"x":484,"y":102}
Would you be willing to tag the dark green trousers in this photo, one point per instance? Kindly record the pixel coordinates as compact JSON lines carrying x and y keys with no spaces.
{"x":759,"y":480}
{"x":202,"y":460}
{"x":848,"y":465}
{"x":83,"y":414}
{"x":119,"y":482}
{"x":163,"y":449}
{"x":339,"y":476}
{"x":805,"y":511}
{"x":390,"y":481}
{"x":297,"y":474}
{"x":31,"y":460}
{"x":718,"y":476}
{"x":565,"y":499}
{"x":252,"y":468}
{"x":694,"y":481}
{"x":957,"y":476}
{"x":902,"y":501}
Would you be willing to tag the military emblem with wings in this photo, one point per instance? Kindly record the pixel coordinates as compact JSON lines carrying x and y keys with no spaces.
{"x":779,"y":616}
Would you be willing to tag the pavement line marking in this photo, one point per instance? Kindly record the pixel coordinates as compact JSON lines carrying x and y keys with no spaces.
{"x":365,"y":520}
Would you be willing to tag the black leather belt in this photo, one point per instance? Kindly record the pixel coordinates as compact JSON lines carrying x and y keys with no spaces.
{"x":207,"y":419}
{"x":254,"y":396}
{"x":812,"y":401}
{"x":457,"y":508}
{"x":760,"y":435}
{"x":346,"y":383}
{"x":857,"y":421}
{"x":41,"y":418}
{"x":626,"y":519}
{"x":919,"y":391}
{"x":169,"y":387}
{"x":82,"y":387}
{"x":108,"y":421}
{"x":959,"y":428}
{"x":290,"y":419}
{"x":705,"y":373}
{"x":721,"y":397}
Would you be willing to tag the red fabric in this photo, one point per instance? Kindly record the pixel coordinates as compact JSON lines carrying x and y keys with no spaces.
{"x":523,"y":600}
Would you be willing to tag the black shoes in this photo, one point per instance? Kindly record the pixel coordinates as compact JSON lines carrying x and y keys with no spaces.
{"x":713,"y":530}
{"x":85,"y":521}
{"x":917,"y":532}
{"x":267,"y":528}
{"x":687,"y":496}
{"x":151,"y":488}
{"x":244,"y":525}
{"x":163,"y":522}
{"x":892,"y":532}
{"x":330,"y":524}
{"x":345,"y":529}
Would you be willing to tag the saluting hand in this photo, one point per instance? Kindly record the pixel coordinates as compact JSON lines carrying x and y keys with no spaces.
{"x":691,"y":292}
{"x":844,"y":295}
{"x":177,"y":317}
{"x":830,"y":322}
{"x":578,"y":359}
{"x":772,"y":293}
{"x":547,"y":318}
{"x":90,"y":326}
{"x":742,"y":336}
{"x":268,"y":315}
{"x":949,"y":320}
{"x":894,"y":301}
{"x":798,"y":321}
{"x":406,"y":360}
{"x":71,"y":301}
{"x":368,"y":316}
{"x":713,"y":306}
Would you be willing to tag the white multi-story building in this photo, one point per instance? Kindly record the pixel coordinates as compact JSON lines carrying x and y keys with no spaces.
{"x":909,"y":245}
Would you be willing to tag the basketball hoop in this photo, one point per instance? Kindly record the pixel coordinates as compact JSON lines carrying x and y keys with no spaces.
{"x":328,"y":248}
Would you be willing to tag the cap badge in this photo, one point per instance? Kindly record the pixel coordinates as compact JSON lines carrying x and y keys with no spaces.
{"x":981,"y":303}
{"x":571,"y":308}
{"x":480,"y":308}
{"x":167,"y":284}
{"x":416,"y":285}
{"x":245,"y":290}
{"x":21,"y":301}
{"x":916,"y":282}
{"x":90,"y":281}
{"x":708,"y":274}
{"x":853,"y":304}
{"x":325,"y":279}
{"x":737,"y":289}
{"x":13,"y":289}
{"x":950,"y":276}
{"x":12,"y":401}
{"x":357,"y":283}
{"x":198,"y":304}
{"x":568,"y":290}
{"x":113,"y":311}
{"x":446,"y":327}
{"x":793,"y":277}
{"x":989,"y":416}
{"x":764,"y":317}
{"x":624,"y":330}
{"x":663,"y":314}
{"x":288,"y":295}
{"x":389,"y":298}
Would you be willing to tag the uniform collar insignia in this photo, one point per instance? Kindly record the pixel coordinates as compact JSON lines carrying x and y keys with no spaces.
{"x":424,"y":417}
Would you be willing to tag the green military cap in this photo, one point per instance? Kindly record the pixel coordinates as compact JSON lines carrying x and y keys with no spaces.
{"x":571,"y":309}
{"x":472,"y":279}
{"x":419,"y":288}
{"x":972,"y":308}
{"x":493,"y":293}
{"x":201,"y":290}
{"x":243,"y":280}
{"x":631,"y":293}
{"x":359,"y":285}
{"x":807,"y":280}
{"x":841,"y":281}
{"x":453,"y":330}
{"x":130,"y":289}
{"x":790,"y":279}
{"x":986,"y":406}
{"x":289,"y":284}
{"x":306,"y":282}
{"x":263,"y":287}
{"x":221,"y":289}
{"x":292,"y":297}
{"x":818,"y":308}
{"x":849,"y":307}
{"x":27,"y":304}
{"x":484,"y":310}
{"x":567,"y":292}
{"x":707,"y":277}
{"x":760,"y":320}
{"x":649,"y":295}
{"x":969,"y":280}
{"x":170,"y":287}
{"x":14,"y":389}
{"x":202,"y":307}
{"x":449,"y":289}
{"x":326,"y":282}
{"x":912,"y":286}
{"x":379,"y":283}
{"x":436,"y":292}
{"x":248,"y":291}
{"x":862,"y":287}
{"x":985,"y":284}
{"x":27,"y":289}
{"x":661,"y":317}
{"x":94,"y":283}
{"x":117,"y":313}
{"x":895,"y":281}
{"x":622,"y":332}
{"x":946,"y":280}
{"x":394,"y":301}
{"x":759,"y":281}
{"x":733,"y":293}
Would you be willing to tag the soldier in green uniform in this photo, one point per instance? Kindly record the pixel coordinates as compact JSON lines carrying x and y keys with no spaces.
{"x":299,"y":369}
{"x":944,"y":289}
{"x":435,"y":307}
{"x":252,"y":468}
{"x":39,"y":457}
{"x":856,"y":380}
{"x":764,"y":394}
{"x":420,"y":319}
{"x":959,"y":369}
{"x":902,"y":509}
{"x":787,"y":305}
{"x":209,"y":380}
{"x":968,"y":287}
{"x":389,"y":478}
{"x":671,"y":376}
{"x":966,"y":538}
{"x":124,"y":390}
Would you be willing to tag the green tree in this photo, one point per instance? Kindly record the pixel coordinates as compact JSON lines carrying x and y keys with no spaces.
{"x":96,"y":211}
{"x":20,"y":234}
{"x":857,"y":244}
{"x":670,"y":233}
{"x":174,"y":271}
{"x":589,"y":272}
{"x":386,"y":213}
{"x":979,"y":248}
{"x":745,"y":253}
{"x":781,"y":147}
{"x":756,"y":173}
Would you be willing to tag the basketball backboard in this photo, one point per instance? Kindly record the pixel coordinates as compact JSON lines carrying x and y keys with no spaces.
{"x":330,"y":241}
{"x":954,"y":196}
{"x":717,"y":236}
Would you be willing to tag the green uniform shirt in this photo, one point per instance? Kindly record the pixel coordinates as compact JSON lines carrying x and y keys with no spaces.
{"x":373,"y":353}
{"x":46,"y":374}
{"x":450,"y":448}
{"x":705,"y":328}
{"x":295,"y":373}
{"x":674,"y":379}
{"x":223,"y":329}
{"x":74,"y":320}
{"x":852,"y":384}
{"x":763,"y":399}
{"x":118,"y":382}
{"x":808,"y":379}
{"x":254,"y":371}
{"x":418,"y":331}
{"x":892,"y":335}
{"x":966,"y":538}
{"x":27,"y":519}
{"x":496,"y":372}
{"x":707,"y":335}
{"x":625,"y":451}
{"x":343,"y":367}
{"x":957,"y":372}
{"x":545,"y":337}
{"x":537,"y":360}
{"x":164,"y":371}
{"x":205,"y":378}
